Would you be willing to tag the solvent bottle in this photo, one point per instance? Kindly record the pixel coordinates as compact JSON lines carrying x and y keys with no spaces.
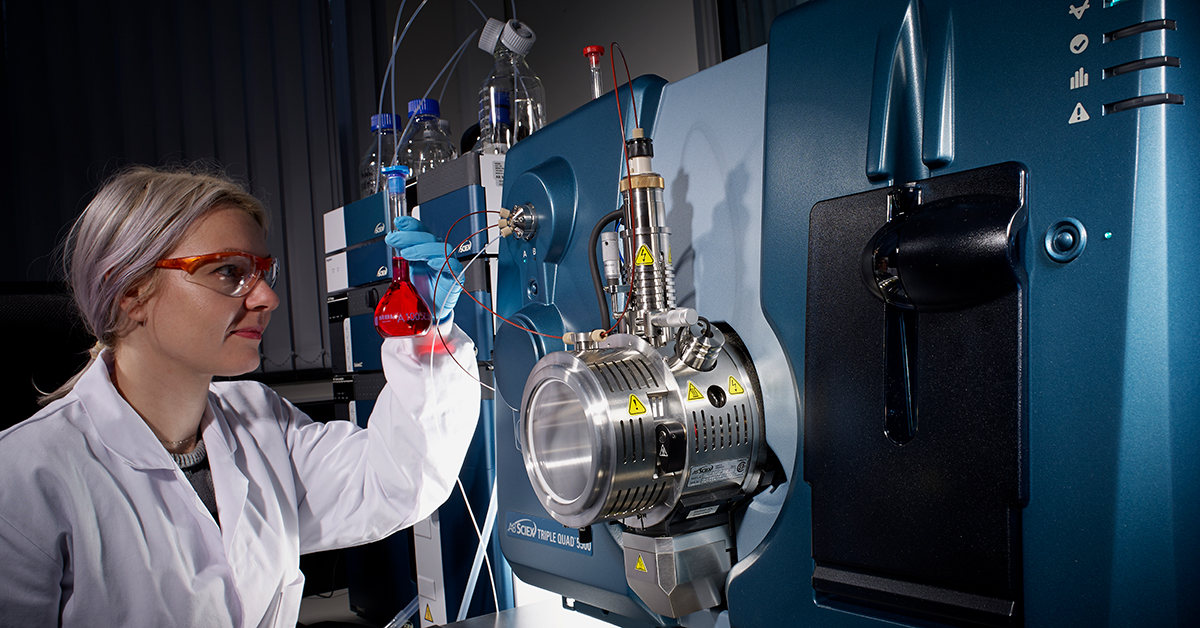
{"x":383,"y":144}
{"x":401,"y":312}
{"x":511,"y":91}
{"x":425,"y":145}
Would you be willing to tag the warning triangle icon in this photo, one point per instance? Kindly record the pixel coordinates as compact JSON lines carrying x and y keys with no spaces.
{"x":640,"y":565}
{"x":428,"y":614}
{"x":1079,"y":115}
{"x":662,"y":451}
{"x":644,"y":257}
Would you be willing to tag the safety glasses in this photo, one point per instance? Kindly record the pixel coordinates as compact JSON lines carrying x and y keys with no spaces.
{"x":232,"y":274}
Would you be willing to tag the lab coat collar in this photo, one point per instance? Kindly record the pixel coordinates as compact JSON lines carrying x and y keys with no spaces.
{"x":214,"y":425}
{"x":121,"y":429}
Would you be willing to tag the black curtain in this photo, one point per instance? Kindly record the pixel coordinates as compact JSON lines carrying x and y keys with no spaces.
{"x":271,"y":91}
{"x":746,"y":24}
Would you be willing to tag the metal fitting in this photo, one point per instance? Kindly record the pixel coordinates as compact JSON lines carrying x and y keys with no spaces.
{"x":521,"y":222}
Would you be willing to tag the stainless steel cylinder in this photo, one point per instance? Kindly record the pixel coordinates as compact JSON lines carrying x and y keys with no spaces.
{"x":610,"y":254}
{"x":588,"y":432}
{"x":648,"y":253}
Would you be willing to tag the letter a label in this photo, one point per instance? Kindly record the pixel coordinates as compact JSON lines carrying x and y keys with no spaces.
{"x":640,"y":565}
{"x":635,"y":406}
{"x":644,"y":258}
{"x":734,"y":387}
{"x":694,"y":393}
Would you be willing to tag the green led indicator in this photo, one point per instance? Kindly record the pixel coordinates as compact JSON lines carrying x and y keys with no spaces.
{"x":1107,"y":235}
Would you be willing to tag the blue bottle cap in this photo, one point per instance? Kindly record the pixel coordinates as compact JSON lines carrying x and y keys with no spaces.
{"x":396,"y":176}
{"x":383,"y":121}
{"x":424,"y":106}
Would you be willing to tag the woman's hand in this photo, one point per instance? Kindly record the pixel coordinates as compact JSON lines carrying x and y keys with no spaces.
{"x":434,"y":268}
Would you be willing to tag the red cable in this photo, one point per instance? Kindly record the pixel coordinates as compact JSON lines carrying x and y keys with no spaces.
{"x":628,"y":80}
{"x":471,"y":296}
{"x":628,"y":175}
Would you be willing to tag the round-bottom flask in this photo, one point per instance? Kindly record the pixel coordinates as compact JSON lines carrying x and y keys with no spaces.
{"x":402,"y":312}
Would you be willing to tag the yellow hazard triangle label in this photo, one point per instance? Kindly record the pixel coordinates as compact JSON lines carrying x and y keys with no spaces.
{"x":734,"y":387}
{"x":428,"y":613}
{"x":644,"y":258}
{"x":694,"y":393}
{"x":640,"y":565}
{"x":635,"y":406}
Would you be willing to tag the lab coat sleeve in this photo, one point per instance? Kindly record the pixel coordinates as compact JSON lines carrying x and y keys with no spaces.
{"x":31,"y":580}
{"x":357,"y":486}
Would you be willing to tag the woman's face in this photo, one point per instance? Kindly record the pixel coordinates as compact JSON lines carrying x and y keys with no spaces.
{"x":196,"y":330}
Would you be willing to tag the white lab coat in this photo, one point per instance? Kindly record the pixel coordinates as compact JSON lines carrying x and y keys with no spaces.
{"x":98,"y":525}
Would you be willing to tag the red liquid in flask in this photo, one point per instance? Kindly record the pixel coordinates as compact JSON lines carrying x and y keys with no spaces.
{"x":402,"y":312}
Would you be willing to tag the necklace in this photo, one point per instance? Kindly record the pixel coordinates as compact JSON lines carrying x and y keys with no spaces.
{"x":173,"y":443}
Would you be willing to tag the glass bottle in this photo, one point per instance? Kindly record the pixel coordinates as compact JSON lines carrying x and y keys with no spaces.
{"x":512,"y":90}
{"x":425,"y":145}
{"x":383,"y":142}
{"x":401,"y":312}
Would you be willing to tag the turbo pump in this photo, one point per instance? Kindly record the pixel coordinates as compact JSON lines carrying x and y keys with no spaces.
{"x":656,"y":430}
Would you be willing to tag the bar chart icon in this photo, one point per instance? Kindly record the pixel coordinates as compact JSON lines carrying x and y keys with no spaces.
{"x":1080,"y":79}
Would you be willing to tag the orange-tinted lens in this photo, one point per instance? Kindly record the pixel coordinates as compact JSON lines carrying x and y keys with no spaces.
{"x":231,"y":275}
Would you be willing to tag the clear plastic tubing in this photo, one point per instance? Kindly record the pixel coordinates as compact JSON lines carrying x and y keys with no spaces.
{"x":593,"y":53}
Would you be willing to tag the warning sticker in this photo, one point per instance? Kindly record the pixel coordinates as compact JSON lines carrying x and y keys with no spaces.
{"x":644,"y":568}
{"x":694,"y":393}
{"x":635,"y":406}
{"x":644,"y":258}
{"x":724,"y":471}
{"x":428,"y":613}
{"x":734,"y":387}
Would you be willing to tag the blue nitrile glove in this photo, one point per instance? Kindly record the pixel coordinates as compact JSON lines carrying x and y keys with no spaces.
{"x":433,"y":270}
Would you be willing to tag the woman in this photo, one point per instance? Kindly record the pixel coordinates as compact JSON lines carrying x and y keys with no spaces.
{"x":145,"y":494}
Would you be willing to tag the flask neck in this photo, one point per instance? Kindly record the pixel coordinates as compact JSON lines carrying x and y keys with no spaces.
{"x":399,"y":268}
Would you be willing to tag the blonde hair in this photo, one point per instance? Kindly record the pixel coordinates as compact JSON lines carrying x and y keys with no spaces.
{"x":136,"y":219}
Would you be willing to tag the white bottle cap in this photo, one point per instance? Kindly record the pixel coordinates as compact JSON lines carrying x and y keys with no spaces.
{"x":518,"y":37}
{"x":490,"y":35}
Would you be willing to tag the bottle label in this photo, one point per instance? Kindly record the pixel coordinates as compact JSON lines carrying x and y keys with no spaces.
{"x":407,"y":317}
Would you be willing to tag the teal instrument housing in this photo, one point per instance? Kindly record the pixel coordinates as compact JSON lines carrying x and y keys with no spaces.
{"x":1092,"y":102}
{"x":924,"y":88}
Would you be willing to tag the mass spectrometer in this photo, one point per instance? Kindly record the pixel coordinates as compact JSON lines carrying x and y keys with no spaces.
{"x":911,"y":336}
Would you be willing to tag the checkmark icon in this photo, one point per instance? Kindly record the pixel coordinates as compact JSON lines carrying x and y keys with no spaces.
{"x":1079,"y":43}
